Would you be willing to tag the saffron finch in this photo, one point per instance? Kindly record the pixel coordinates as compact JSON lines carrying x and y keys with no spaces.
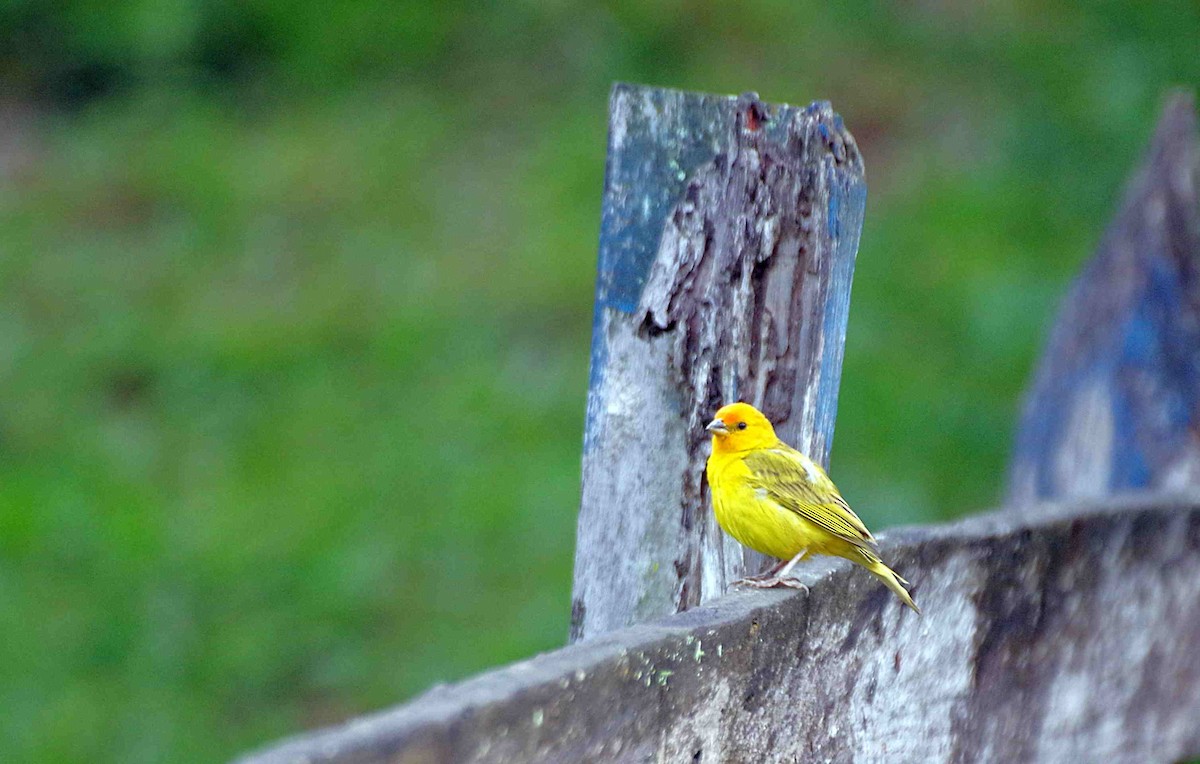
{"x":777,"y":501}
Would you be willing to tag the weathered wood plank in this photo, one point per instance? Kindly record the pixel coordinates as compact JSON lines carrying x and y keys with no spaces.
{"x":727,"y":248}
{"x":1115,"y":403}
{"x":1056,"y":633}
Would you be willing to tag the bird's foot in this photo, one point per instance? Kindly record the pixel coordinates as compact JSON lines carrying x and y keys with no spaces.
{"x":794,"y":583}
{"x":770,"y":582}
{"x":757,"y":580}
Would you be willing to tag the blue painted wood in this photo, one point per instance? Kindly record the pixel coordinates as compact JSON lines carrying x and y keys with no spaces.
{"x":644,"y":177}
{"x":847,"y":204}
{"x":728,"y":237}
{"x":1115,"y":404}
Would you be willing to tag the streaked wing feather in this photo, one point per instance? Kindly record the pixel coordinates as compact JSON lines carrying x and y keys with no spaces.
{"x":781,"y":475}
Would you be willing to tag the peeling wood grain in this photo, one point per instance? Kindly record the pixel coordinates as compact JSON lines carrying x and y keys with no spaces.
{"x":728,"y":240}
{"x":1115,"y":403}
{"x":1052,"y":633}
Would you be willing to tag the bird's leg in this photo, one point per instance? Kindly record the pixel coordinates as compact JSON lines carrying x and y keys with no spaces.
{"x":769,"y":573}
{"x":787,"y":568}
{"x":777,"y":576}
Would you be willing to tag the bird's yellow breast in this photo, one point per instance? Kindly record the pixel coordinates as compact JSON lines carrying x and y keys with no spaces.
{"x":756,"y":521}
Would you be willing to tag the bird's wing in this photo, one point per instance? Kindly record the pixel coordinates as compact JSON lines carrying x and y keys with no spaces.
{"x":798,"y":484}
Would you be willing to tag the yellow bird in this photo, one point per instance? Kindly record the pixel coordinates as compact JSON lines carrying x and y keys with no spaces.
{"x":777,"y":501}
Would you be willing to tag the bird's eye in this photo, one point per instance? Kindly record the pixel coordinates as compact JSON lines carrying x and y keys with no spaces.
{"x":741,"y":425}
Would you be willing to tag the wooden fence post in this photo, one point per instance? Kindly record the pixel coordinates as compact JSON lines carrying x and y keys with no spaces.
{"x":727,"y":248}
{"x":1115,"y":403}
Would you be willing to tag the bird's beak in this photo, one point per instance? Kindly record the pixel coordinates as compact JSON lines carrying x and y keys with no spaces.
{"x":717,"y":427}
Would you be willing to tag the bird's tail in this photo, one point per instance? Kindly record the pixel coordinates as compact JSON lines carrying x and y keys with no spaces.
{"x":890,"y":578}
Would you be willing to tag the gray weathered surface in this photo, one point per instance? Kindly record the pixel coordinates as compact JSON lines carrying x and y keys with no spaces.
{"x":1055,"y":633}
{"x":727,"y":249}
{"x":1115,"y":404}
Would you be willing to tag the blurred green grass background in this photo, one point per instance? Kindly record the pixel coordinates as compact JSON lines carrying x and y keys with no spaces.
{"x":296,"y":305}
